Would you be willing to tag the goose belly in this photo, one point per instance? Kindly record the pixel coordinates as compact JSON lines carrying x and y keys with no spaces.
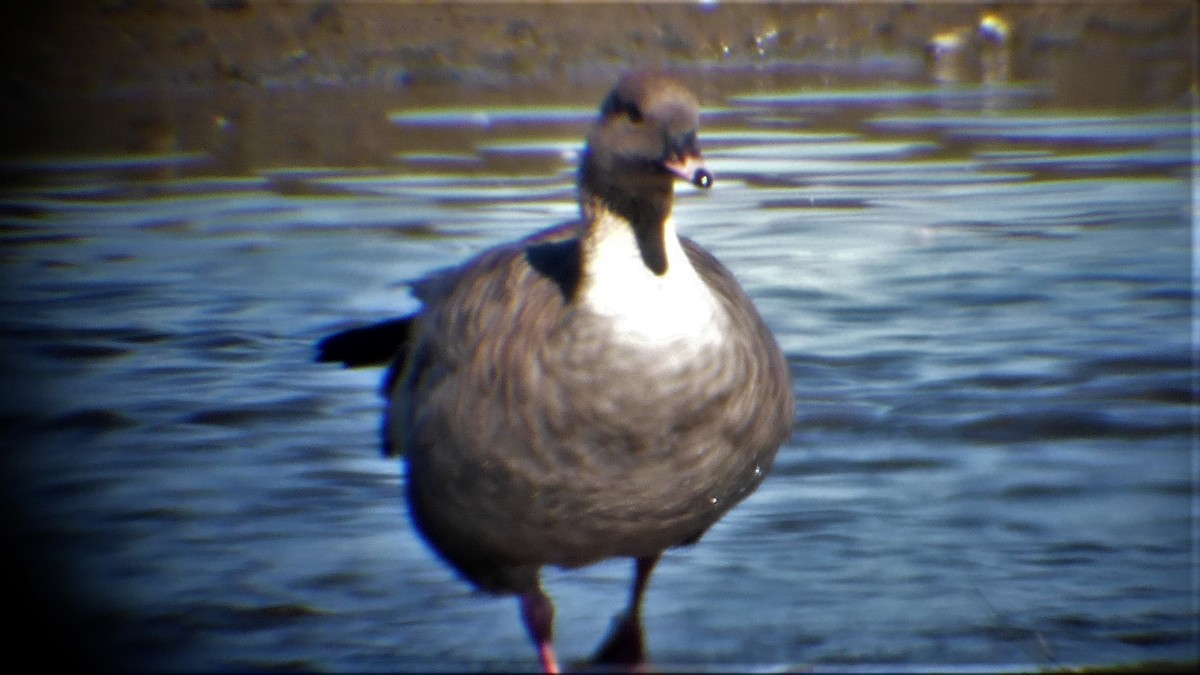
{"x":590,"y":449}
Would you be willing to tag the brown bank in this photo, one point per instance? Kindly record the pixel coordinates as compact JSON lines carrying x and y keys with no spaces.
{"x":277,"y":83}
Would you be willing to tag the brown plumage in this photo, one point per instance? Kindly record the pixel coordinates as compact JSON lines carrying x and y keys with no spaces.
{"x":602,"y":388}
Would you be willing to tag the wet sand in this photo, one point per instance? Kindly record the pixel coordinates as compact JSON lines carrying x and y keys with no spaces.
{"x":286,"y":83}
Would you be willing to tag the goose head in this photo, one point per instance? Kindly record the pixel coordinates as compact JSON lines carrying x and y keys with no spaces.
{"x":644,"y":140}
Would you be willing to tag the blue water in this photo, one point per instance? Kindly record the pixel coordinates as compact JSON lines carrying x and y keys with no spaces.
{"x":985,"y":303}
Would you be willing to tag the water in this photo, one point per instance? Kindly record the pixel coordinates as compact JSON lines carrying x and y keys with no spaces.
{"x":985,"y":301}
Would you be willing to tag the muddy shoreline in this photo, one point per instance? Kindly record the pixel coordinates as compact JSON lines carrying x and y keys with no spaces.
{"x":311,"y":82}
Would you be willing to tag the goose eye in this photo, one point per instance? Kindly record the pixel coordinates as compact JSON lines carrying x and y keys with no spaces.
{"x":617,"y":106}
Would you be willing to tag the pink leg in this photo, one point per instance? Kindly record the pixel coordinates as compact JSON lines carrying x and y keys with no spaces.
{"x":538,"y":613}
{"x":626,"y":643}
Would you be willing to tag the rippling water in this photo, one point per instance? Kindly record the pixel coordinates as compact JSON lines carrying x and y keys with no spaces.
{"x":985,"y":304}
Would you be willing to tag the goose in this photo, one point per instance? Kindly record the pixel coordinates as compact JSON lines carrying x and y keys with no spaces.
{"x":599,"y":389}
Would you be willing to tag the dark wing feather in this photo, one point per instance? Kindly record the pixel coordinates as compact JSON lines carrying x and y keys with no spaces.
{"x":374,"y":345}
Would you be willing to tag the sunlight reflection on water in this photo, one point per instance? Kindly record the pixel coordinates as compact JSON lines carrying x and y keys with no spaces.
{"x":987,"y":318}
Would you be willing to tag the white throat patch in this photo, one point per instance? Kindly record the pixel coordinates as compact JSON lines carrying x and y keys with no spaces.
{"x":675,"y":310}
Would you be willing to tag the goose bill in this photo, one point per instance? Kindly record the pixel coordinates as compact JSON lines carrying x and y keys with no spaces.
{"x":690,"y":169}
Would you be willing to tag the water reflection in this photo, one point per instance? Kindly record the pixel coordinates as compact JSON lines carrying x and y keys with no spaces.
{"x":986,"y":314}
{"x":982,"y":52}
